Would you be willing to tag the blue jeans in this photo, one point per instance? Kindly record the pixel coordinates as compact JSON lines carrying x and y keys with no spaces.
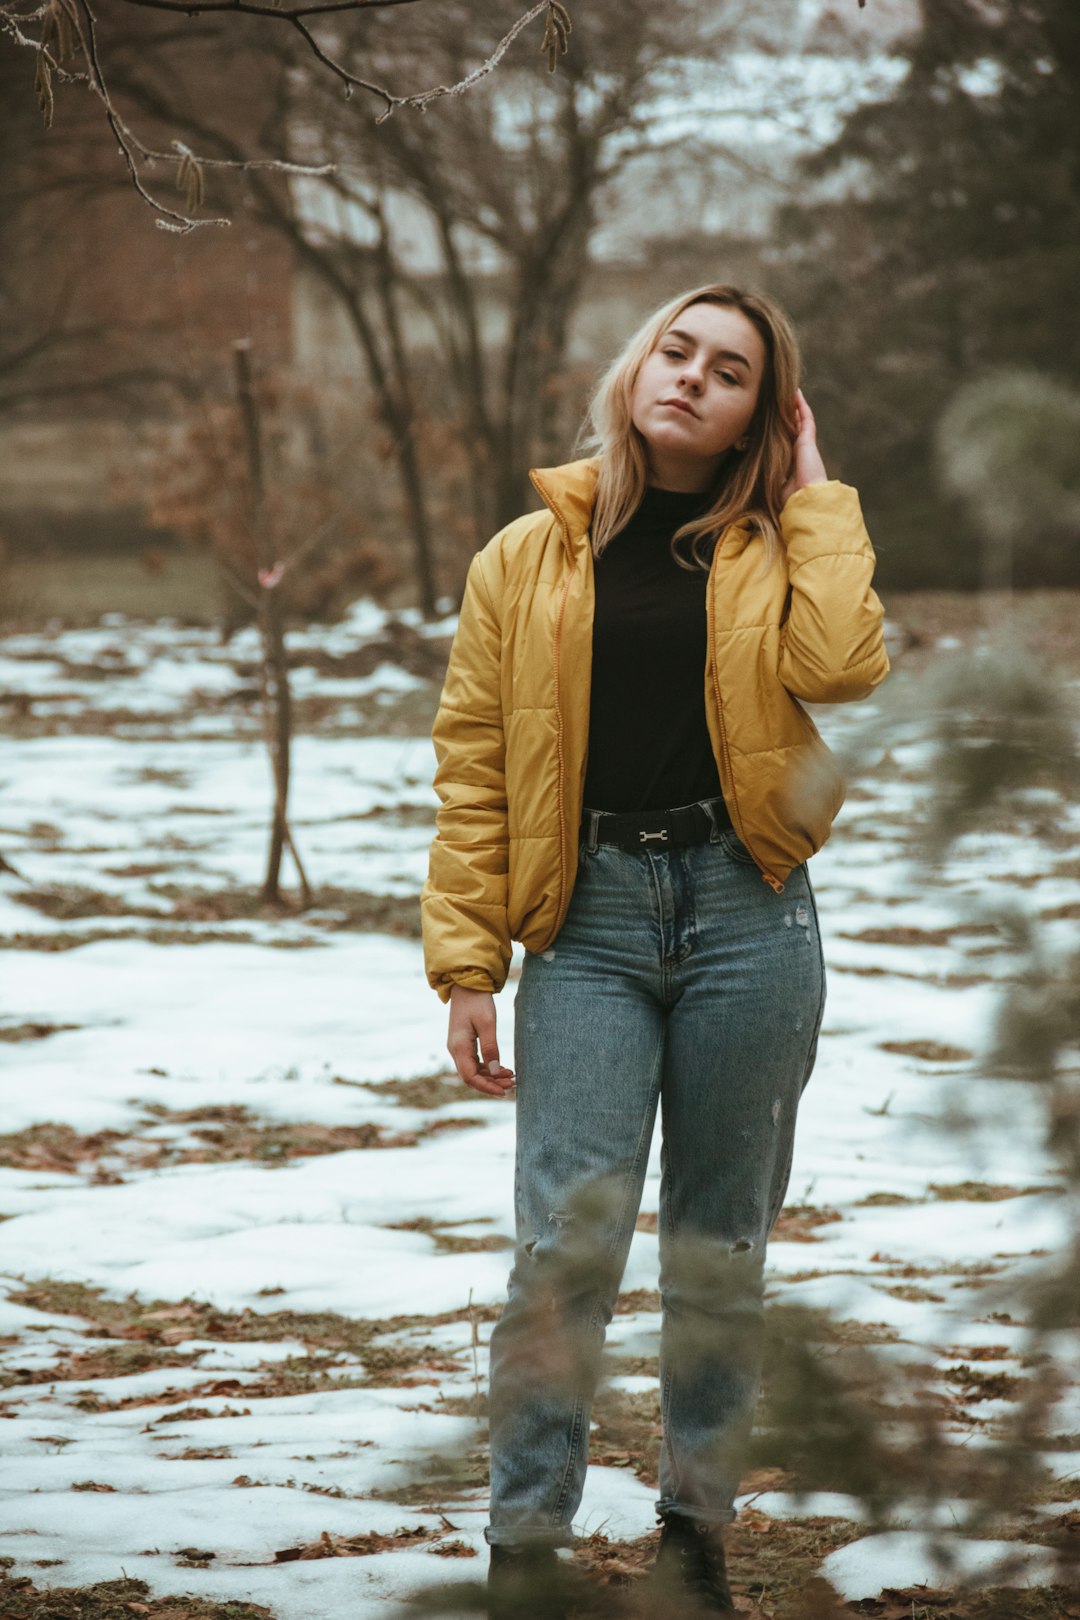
{"x":679,"y":977}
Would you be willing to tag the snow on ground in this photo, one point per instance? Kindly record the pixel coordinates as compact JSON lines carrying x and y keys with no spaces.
{"x":174,"y":1027}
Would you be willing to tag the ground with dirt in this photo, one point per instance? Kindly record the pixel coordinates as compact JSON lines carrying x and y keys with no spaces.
{"x":254,"y":1234}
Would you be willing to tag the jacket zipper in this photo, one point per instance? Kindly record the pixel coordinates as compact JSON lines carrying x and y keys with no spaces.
{"x":767,"y":876}
{"x":559,"y":741}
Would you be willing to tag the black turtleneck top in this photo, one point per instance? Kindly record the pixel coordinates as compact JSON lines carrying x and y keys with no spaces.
{"x":649,"y":746}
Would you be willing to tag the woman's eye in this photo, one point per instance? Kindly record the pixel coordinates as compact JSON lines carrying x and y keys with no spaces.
{"x":727,"y":376}
{"x":675,"y":352}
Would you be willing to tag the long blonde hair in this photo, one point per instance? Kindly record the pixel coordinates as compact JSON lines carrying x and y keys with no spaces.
{"x":748,"y":485}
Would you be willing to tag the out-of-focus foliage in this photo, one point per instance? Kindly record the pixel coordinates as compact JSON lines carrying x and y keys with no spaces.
{"x":1009,"y":446}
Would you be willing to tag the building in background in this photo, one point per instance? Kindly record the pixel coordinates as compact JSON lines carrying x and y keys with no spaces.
{"x":113,"y":326}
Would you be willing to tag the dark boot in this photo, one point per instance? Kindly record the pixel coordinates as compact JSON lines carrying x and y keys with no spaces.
{"x":527,"y":1583}
{"x":690,"y":1567}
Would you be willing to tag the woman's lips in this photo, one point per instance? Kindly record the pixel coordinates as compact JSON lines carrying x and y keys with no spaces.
{"x":677,"y":405}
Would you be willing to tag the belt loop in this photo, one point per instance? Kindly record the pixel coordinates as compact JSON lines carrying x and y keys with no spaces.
{"x":594,"y":827}
{"x":706,"y":805}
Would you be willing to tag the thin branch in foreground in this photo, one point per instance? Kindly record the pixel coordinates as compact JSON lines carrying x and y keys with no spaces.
{"x":74,"y":37}
{"x":195,"y":8}
{"x":420,"y":100}
{"x":171,"y":220}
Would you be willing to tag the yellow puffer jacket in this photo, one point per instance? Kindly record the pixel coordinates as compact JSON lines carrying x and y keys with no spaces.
{"x":511,"y":734}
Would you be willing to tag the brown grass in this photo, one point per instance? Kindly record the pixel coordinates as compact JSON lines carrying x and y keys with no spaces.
{"x":224,"y":1133}
{"x":447,"y":1241}
{"x":32,"y":1032}
{"x":168,"y":1323}
{"x":20,"y":1599}
{"x":423,"y":1091}
{"x":335,"y":909}
{"x":928,"y":1051}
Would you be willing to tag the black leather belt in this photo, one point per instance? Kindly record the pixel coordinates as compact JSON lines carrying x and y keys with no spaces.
{"x":655,"y":829}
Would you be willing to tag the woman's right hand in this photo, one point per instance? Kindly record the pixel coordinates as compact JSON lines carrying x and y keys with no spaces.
{"x":472,"y":1022}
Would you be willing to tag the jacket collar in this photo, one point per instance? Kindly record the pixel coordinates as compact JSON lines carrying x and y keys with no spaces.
{"x":569,"y":491}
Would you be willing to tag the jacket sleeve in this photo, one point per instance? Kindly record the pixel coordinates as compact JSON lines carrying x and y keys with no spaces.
{"x":832,"y":647}
{"x":463,"y":900}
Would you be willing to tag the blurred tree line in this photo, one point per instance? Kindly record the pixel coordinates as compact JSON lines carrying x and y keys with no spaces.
{"x":941,"y":240}
{"x":933,"y":242}
{"x":462,"y":347}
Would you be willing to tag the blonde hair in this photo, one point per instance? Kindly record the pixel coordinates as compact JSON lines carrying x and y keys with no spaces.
{"x":748,"y":485}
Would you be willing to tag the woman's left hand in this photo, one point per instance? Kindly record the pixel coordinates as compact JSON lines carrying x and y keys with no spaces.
{"x":807,"y":466}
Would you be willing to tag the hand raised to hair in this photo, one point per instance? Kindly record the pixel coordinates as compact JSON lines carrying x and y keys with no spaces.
{"x":807,"y":466}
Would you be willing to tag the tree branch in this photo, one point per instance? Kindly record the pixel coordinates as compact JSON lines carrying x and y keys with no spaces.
{"x":195,"y":8}
{"x":62,"y":17}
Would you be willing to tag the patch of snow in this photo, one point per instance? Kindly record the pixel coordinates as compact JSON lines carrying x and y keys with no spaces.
{"x":902,"y":1559}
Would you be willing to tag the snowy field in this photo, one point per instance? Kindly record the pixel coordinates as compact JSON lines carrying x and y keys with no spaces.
{"x":253,"y":1233}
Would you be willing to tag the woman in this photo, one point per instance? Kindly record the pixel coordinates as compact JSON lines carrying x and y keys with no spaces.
{"x":631,"y":788}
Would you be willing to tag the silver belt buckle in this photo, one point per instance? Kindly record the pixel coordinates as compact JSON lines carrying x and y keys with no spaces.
{"x":661,"y":835}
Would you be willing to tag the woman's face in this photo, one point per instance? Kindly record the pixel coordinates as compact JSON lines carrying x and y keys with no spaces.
{"x":711,"y":359}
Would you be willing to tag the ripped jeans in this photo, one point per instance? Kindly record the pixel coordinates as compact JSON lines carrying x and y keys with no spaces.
{"x":678,"y":978}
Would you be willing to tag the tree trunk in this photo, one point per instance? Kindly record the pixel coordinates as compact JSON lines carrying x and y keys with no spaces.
{"x":274,"y":667}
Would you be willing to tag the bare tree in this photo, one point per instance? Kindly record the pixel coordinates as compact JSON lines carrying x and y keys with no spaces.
{"x":520,"y":174}
{"x":273,"y":665}
{"x":236,"y":479}
{"x":519,"y":171}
